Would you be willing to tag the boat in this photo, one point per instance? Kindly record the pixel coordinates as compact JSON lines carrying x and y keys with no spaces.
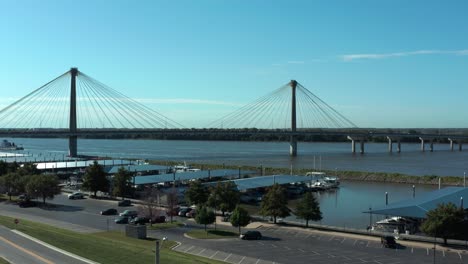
{"x":6,"y":145}
{"x":320,"y":181}
{"x":396,"y":224}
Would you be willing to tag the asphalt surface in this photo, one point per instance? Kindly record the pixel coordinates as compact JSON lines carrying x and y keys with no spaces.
{"x":17,"y":249}
{"x":279,"y":245}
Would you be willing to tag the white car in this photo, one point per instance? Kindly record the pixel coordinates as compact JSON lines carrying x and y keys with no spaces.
{"x":76,"y":195}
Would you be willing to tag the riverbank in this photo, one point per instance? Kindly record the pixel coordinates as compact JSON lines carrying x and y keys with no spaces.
{"x":343,"y":175}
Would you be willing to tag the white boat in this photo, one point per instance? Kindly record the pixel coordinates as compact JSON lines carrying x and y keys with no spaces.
{"x":320,"y":181}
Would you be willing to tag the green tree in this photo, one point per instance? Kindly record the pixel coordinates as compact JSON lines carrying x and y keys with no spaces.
{"x":205,"y":216}
{"x":224,"y":197}
{"x":197,"y":193}
{"x":240,"y":218}
{"x":122,"y":183}
{"x":95,"y":179}
{"x":308,"y":209}
{"x":443,"y":221}
{"x":43,"y":186}
{"x":28,"y":169}
{"x":275,"y":203}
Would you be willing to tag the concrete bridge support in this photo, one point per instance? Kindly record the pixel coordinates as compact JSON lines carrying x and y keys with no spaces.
{"x":73,"y":139}
{"x":353,"y":144}
{"x":431,"y":144}
{"x":460,"y":144}
{"x":390,"y":144}
{"x":293,"y":142}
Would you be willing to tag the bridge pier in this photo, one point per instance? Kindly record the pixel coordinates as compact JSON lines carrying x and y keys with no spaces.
{"x":460,"y":144}
{"x":431,"y":144}
{"x":293,"y":143}
{"x":73,"y":140}
{"x":353,"y":144}
{"x":390,"y":144}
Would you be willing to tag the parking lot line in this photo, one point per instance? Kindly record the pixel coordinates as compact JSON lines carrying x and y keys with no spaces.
{"x":427,"y":251}
{"x":214,"y":254}
{"x":189,"y":249}
{"x":230,"y":254}
{"x":203,"y":250}
{"x":412,"y":250}
{"x":261,"y":243}
{"x":355,"y":241}
{"x":331,"y":238}
{"x":287,"y":248}
{"x":241,"y":260}
{"x":368,"y":242}
{"x":459,"y":255}
{"x":343,"y":240}
{"x":274,"y":246}
{"x":443,"y":253}
{"x":301,"y":250}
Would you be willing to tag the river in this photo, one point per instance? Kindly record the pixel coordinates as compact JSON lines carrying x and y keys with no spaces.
{"x":341,"y":208}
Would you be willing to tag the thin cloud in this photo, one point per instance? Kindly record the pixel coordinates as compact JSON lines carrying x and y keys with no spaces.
{"x":184,"y":101}
{"x":371,"y":56}
{"x":296,"y":62}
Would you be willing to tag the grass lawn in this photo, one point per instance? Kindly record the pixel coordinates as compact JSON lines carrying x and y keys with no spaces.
{"x":211,"y":234}
{"x":165,"y":225}
{"x":3,"y":261}
{"x":103,"y":247}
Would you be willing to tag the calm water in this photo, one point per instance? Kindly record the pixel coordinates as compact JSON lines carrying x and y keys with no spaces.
{"x":341,"y":208}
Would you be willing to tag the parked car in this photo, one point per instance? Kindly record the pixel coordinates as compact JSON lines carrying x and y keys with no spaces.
{"x":76,"y":195}
{"x":388,"y":241}
{"x":125,"y":203}
{"x":251,"y":235}
{"x":191,"y":214}
{"x":184,"y":211}
{"x":110,"y":211}
{"x":159,"y":219}
{"x":129,"y":213}
{"x":27,"y":203}
{"x":139,"y":220}
{"x":122,"y":220}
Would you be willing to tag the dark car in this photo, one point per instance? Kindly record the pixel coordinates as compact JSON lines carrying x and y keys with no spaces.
{"x":27,"y":203}
{"x":251,"y":235}
{"x":388,"y":241}
{"x":125,"y":203}
{"x":139,"y":220}
{"x":110,"y":211}
{"x":122,"y":220}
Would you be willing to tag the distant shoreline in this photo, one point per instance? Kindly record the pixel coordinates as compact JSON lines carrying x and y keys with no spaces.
{"x":378,"y":177}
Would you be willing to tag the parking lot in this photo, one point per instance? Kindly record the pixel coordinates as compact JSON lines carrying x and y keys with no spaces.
{"x":281,"y":245}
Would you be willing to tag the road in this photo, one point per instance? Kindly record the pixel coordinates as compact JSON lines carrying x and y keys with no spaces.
{"x":279,"y":245}
{"x":17,"y":249}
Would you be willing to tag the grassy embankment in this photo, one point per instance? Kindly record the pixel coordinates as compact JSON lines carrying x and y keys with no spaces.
{"x":3,"y":261}
{"x":344,"y":175}
{"x":165,"y":225}
{"x":103,"y":247}
{"x":211,"y":234}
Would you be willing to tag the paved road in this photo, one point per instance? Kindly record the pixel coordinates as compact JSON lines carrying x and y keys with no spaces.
{"x":17,"y":249}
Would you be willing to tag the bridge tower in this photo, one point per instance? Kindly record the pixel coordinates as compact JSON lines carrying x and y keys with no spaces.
{"x":293,"y":142}
{"x":73,"y":139}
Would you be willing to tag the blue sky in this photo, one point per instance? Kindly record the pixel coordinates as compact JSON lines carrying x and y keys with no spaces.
{"x":380,"y":63}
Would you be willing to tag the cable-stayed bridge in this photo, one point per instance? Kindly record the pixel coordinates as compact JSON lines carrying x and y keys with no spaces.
{"x":74,"y":104}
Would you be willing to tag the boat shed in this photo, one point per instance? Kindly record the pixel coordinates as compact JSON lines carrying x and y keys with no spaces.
{"x":419,"y":206}
{"x":139,"y":168}
{"x":186,"y":176}
{"x":77,"y":164}
{"x":266,"y":181}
